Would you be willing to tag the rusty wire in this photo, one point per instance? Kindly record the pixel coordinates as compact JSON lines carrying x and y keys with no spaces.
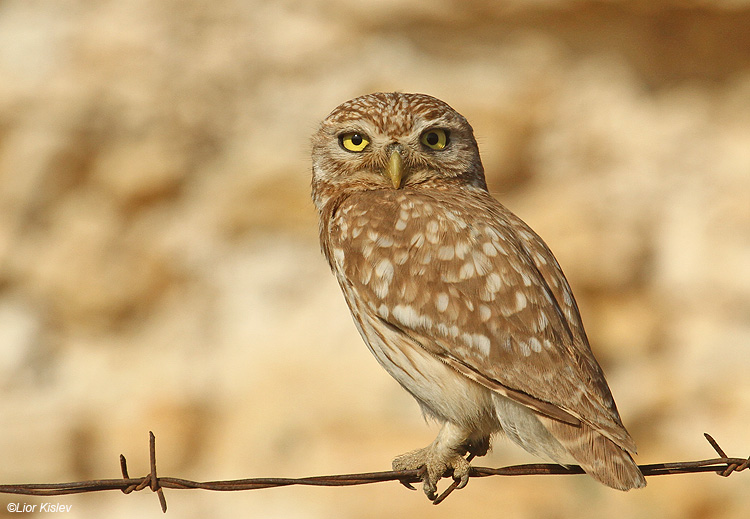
{"x":723,"y":465}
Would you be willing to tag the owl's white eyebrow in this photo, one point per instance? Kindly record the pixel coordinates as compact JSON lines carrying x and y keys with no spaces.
{"x":347,"y":129}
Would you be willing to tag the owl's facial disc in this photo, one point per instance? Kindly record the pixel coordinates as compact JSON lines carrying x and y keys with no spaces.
{"x":394,"y":170}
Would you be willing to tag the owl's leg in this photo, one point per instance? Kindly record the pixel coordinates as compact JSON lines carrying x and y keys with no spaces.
{"x":444,"y":455}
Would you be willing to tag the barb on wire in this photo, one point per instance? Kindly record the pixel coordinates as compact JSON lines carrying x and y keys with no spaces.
{"x":723,"y":465}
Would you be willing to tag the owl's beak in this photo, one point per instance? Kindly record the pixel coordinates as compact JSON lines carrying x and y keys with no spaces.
{"x":394,"y":170}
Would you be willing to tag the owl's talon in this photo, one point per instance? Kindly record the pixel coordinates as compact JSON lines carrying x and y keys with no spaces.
{"x":407,"y":485}
{"x":436,"y":464}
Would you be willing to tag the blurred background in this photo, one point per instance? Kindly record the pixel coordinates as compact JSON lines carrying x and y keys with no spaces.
{"x":160,"y":270}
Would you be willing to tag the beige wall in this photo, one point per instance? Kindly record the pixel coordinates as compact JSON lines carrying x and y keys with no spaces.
{"x":159,"y":265}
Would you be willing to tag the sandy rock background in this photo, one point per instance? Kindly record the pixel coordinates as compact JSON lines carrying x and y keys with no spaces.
{"x":159,"y":265}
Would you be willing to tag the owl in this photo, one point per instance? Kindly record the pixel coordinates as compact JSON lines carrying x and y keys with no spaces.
{"x":455,"y":296}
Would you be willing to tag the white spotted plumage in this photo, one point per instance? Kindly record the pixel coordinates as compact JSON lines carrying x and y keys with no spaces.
{"x":457,"y":298}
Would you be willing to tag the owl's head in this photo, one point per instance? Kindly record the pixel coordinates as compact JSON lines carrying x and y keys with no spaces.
{"x":393,"y":141}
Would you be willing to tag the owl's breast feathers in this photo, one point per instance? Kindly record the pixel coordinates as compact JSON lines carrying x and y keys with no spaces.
{"x":471,"y":283}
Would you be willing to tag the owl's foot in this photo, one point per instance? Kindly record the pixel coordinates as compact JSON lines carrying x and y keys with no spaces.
{"x":478,"y":447}
{"x":443,"y":457}
{"x":436,"y":464}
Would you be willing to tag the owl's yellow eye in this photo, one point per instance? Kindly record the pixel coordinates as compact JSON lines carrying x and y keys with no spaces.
{"x":354,"y":141}
{"x":435,"y":139}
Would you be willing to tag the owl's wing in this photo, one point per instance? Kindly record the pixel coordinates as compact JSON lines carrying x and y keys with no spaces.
{"x":474,"y":285}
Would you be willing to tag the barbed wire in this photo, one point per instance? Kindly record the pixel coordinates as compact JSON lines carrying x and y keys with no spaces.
{"x":723,"y":465}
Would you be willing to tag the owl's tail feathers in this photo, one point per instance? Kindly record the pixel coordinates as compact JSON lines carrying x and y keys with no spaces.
{"x":599,"y":456}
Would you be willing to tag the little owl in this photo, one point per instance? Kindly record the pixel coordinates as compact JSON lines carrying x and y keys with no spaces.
{"x":457,"y":298}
